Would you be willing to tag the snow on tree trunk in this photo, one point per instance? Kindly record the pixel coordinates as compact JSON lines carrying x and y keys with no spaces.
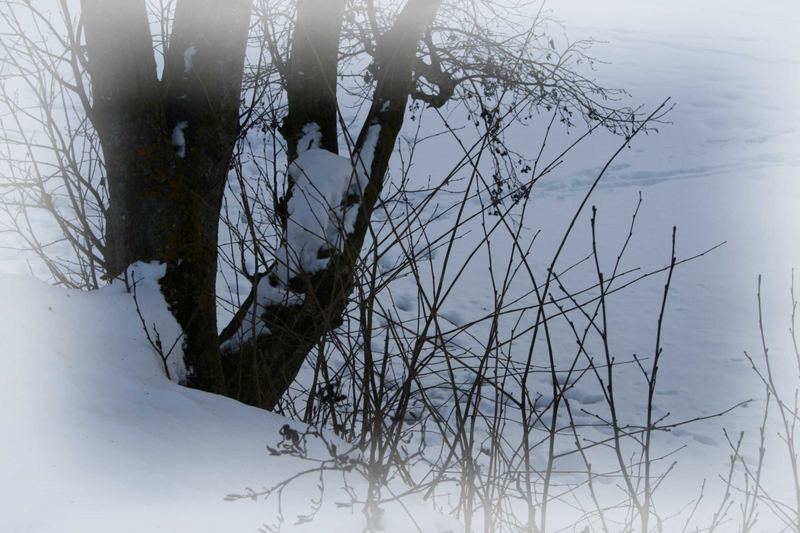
{"x":320,"y":216}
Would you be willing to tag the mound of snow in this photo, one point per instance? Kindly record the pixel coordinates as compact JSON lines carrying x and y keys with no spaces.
{"x":96,"y":438}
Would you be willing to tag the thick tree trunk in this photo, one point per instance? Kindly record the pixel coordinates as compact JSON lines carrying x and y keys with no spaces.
{"x":311,"y":122}
{"x":128,"y":114}
{"x":167,"y":147}
{"x":311,"y":79}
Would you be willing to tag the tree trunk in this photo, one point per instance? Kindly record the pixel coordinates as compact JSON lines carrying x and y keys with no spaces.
{"x":167,"y":147}
{"x":260,"y":371}
{"x":311,"y":79}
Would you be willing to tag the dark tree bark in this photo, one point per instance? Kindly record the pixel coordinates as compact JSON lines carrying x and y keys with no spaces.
{"x":311,"y":83}
{"x":128,"y":114}
{"x":164,"y":199}
{"x":260,"y":372}
{"x":168,"y":144}
{"x":311,"y":79}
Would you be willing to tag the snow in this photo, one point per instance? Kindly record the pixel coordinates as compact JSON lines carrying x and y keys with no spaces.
{"x":318,"y":220}
{"x":311,"y":137}
{"x":178,"y":139}
{"x":96,"y":438}
{"x":321,"y":180}
{"x":368,"y":149}
{"x":252,"y":326}
{"x":725,"y":168}
{"x":318,"y":214}
{"x":188,"y":58}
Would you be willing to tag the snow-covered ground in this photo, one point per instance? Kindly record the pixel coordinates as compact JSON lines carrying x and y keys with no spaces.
{"x":96,"y":434}
{"x":725,"y":168}
{"x":96,"y":438}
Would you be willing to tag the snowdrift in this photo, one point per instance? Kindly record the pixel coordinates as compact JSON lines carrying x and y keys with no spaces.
{"x":96,"y":438}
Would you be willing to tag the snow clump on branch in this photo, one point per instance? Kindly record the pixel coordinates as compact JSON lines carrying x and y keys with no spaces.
{"x":321,"y":213}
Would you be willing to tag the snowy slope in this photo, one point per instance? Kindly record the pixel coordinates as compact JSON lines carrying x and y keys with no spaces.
{"x":95,"y":438}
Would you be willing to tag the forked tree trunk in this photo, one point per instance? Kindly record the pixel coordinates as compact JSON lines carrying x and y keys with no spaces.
{"x":259,"y":372}
{"x":167,"y":146}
